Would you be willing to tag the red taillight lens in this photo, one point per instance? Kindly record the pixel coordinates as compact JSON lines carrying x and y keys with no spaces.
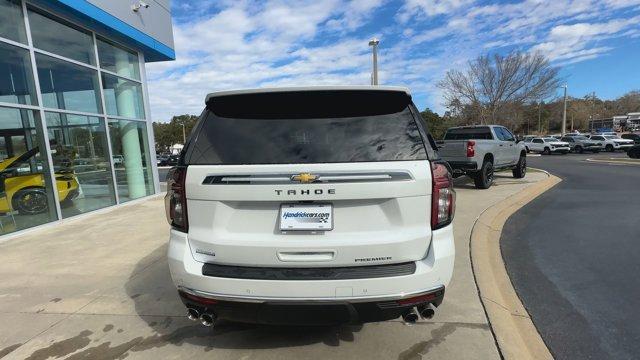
{"x":471,"y":148}
{"x":417,"y":300}
{"x":442,"y":197}
{"x":175,"y":202}
{"x":198,"y":299}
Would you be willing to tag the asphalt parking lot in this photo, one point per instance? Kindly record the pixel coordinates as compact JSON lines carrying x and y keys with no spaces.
{"x":573,"y":256}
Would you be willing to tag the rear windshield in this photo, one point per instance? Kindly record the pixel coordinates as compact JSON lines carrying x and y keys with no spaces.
{"x":475,"y":133}
{"x":308,"y":127}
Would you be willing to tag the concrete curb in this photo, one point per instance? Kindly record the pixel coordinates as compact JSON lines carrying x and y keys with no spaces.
{"x":515,"y":334}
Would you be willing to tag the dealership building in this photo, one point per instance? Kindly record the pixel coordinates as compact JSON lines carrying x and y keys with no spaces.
{"x":75,"y":123}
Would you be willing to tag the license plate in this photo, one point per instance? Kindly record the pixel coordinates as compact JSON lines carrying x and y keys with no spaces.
{"x":308,"y":217}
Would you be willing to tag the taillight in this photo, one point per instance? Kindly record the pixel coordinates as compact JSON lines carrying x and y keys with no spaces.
{"x":442,"y":196}
{"x":471,"y":148}
{"x":175,"y":202}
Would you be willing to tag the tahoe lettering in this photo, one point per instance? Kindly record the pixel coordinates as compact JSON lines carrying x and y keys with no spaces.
{"x":306,"y":192}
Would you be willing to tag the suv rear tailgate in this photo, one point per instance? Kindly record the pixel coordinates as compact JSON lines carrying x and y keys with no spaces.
{"x":382,"y":219}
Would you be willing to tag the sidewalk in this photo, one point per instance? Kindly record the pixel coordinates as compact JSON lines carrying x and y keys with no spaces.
{"x":99,"y":288}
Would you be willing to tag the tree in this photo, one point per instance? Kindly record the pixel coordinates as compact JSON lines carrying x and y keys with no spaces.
{"x":168,"y":134}
{"x":437,"y":125}
{"x":490,"y":83}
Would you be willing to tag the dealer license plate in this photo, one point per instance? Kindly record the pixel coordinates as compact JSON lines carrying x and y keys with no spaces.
{"x":308,"y":217}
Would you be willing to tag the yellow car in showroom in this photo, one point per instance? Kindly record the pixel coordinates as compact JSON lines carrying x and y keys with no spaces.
{"x":23,"y":190}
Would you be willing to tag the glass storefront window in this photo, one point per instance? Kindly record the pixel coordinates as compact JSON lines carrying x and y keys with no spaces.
{"x":122,"y":97}
{"x":130,"y":146}
{"x":26,"y":196}
{"x":68,"y":86}
{"x":79,"y":150}
{"x":118,"y":60}
{"x":12,"y":21}
{"x":61,"y":38}
{"x":16,"y":76}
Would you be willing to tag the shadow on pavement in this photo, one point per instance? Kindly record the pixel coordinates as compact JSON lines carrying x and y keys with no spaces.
{"x":157,"y":303}
{"x":465,"y":182}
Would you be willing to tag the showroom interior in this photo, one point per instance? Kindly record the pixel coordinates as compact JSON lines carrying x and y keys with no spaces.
{"x":75,"y":125}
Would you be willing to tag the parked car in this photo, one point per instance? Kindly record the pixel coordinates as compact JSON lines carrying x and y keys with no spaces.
{"x":571,"y":134}
{"x":613,"y":142}
{"x":118,"y":160}
{"x":548,"y":145}
{"x":173,"y":160}
{"x":634,"y":152}
{"x":478,"y":151}
{"x":168,"y":160}
{"x":634,"y":137}
{"x":338,"y":212}
{"x":22,"y":190}
{"x":580,"y":144}
{"x":161,"y":160}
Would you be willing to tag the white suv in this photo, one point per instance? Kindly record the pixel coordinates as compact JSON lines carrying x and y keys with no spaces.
{"x":320,"y":205}
{"x":548,"y":145}
{"x":613,"y":142}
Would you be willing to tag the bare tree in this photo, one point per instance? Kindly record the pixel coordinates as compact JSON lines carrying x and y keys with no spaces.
{"x":491,"y":82}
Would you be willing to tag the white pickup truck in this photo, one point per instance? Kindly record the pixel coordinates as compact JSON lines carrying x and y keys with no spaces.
{"x":478,"y":151}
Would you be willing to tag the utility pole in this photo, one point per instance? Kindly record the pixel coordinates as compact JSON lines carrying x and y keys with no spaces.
{"x":593,"y":105}
{"x":184,"y":135}
{"x":539,"y":123}
{"x":374,"y":45}
{"x":564,"y":113}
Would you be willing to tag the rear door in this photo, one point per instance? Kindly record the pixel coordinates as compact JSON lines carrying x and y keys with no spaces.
{"x":358,"y":157}
{"x":511,"y":152}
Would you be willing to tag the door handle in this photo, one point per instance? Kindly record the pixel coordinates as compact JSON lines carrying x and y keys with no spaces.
{"x":501,"y":145}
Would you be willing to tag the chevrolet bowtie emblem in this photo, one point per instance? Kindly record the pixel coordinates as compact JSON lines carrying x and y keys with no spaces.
{"x":304,"y":178}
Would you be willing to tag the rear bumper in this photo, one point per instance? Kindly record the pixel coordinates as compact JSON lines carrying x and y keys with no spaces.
{"x":624,"y":147}
{"x":463,"y":166}
{"x":293,"y":312}
{"x":255,"y":298}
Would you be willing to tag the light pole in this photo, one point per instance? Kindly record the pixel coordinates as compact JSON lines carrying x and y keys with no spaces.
{"x":564,"y":113}
{"x":374,"y":44}
{"x":184,"y":135}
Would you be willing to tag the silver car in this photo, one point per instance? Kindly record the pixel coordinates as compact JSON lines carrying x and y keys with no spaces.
{"x":580,"y":144}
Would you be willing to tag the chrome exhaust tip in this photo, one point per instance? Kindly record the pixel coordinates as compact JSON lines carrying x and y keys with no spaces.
{"x":410,"y":317}
{"x":207,"y":319}
{"x":426,"y":312}
{"x":193,"y":314}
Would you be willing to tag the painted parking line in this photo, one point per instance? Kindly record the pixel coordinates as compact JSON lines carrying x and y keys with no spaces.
{"x":616,"y":161}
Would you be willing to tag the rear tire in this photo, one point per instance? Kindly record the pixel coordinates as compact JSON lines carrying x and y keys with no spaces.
{"x":546,"y":151}
{"x":484,"y":178}
{"x":579,"y":149}
{"x":609,"y":148}
{"x":521,"y":168}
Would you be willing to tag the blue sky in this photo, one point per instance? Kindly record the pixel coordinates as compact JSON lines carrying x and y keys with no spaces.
{"x":223,"y":45}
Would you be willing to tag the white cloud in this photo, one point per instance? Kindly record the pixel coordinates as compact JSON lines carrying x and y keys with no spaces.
{"x":572,"y":43}
{"x":252,"y":43}
{"x":430,"y":7}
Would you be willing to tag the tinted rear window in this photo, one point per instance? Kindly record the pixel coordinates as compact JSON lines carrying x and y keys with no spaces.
{"x":308,"y":127}
{"x":476,"y":133}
